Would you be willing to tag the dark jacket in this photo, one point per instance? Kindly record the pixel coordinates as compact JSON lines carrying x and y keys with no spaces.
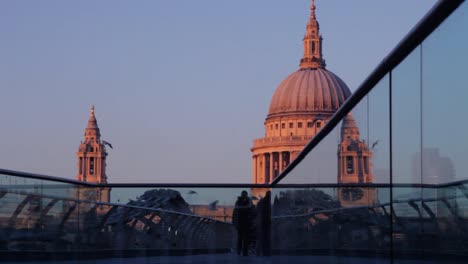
{"x":242,"y":215}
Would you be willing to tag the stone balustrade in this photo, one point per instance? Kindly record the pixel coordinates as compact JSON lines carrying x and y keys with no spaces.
{"x":281,"y":140}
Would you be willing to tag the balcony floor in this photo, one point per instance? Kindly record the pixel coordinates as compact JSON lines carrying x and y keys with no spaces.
{"x":231,"y":259}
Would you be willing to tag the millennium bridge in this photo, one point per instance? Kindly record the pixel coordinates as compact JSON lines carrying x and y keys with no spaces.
{"x":414,"y":208}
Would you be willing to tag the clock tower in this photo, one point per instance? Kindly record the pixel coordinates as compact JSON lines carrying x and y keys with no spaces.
{"x":354,"y":166}
{"x":92,"y":156}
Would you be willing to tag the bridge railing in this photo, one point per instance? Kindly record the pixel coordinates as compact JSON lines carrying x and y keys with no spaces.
{"x":58,"y":218}
{"x":410,"y":113}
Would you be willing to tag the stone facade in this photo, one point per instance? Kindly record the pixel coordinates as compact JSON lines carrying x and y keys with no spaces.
{"x":301,"y":105}
{"x":92,"y":156}
{"x":354,"y":156}
{"x":299,"y":108}
{"x":354,"y":166}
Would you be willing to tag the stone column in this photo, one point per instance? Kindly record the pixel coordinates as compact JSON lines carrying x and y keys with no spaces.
{"x":355,"y":168}
{"x":85,"y":168}
{"x":343,"y":169}
{"x":261,"y":166}
{"x":266,"y":169}
{"x":103,"y":168}
{"x":292,"y":155}
{"x":362,"y":171}
{"x":340,"y":168}
{"x":82,"y":168}
{"x":254,"y":168}
{"x":97,"y":172}
{"x":287,"y":158}
{"x":280,"y":162}
{"x":80,"y":164}
{"x":272,"y":161}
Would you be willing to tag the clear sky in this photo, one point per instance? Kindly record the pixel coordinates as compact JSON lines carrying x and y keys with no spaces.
{"x":181,"y":88}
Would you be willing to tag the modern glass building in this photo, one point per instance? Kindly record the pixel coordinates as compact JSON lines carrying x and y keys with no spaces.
{"x":402,"y":135}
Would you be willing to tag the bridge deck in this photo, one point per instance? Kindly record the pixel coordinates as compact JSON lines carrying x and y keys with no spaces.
{"x":232,"y":258}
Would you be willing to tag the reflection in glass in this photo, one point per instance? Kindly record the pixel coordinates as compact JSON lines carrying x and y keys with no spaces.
{"x":379,"y":131}
{"x":444,"y":79}
{"x":406,"y":120}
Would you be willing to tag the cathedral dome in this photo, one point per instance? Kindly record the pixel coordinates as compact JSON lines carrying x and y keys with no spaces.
{"x":309,"y":90}
{"x":303,"y":102}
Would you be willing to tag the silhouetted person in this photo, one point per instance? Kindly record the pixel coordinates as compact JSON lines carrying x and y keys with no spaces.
{"x":264,"y":225}
{"x":90,"y":226}
{"x":242,"y":220}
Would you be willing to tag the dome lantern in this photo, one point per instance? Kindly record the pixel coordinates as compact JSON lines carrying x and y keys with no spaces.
{"x":312,"y":57}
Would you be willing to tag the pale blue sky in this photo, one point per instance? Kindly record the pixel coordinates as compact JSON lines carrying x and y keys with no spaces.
{"x":181,"y":88}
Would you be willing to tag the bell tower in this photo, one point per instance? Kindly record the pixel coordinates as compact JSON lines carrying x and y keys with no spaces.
{"x":354,"y":166}
{"x":353,"y":155}
{"x":92,"y":156}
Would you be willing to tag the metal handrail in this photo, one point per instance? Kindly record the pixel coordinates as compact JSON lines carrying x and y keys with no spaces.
{"x":366,"y":206}
{"x":44,"y":177}
{"x":218,"y":185}
{"x":79,"y":201}
{"x":133,"y":185}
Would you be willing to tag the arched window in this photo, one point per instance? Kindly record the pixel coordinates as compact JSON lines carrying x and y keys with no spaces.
{"x":91,"y":165}
{"x":349,"y":164}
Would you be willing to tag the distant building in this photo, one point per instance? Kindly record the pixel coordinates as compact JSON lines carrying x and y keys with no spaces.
{"x":220,"y":213}
{"x":299,"y":108}
{"x":436,"y":169}
{"x":92,"y":156}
